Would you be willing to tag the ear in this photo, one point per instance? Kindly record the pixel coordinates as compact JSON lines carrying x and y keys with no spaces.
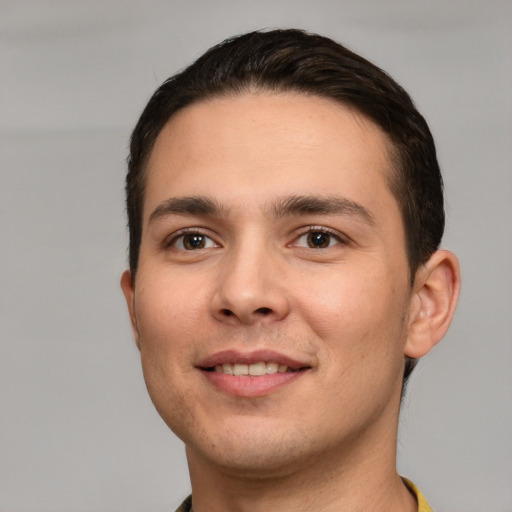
{"x":128,"y":288}
{"x":435,"y":295}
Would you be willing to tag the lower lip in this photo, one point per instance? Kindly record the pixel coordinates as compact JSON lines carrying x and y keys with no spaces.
{"x":248,"y":386}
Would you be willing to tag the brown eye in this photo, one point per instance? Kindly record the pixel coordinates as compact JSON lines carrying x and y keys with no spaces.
{"x":318,"y":240}
{"x":193,"y":242}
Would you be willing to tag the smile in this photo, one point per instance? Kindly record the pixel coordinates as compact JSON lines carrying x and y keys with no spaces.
{"x":254,"y":374}
{"x":254,"y":370}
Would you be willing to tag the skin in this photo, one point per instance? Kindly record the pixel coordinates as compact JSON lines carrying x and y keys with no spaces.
{"x":346,"y":311}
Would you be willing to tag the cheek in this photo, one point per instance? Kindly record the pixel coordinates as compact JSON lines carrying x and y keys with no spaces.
{"x":167,"y":309}
{"x":361,"y":309}
{"x":167,"y":317}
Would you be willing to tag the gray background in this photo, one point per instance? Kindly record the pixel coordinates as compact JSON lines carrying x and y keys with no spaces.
{"x":77,"y":431}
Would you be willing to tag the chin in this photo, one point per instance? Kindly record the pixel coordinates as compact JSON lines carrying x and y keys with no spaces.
{"x":257,"y":465}
{"x":255,"y":453}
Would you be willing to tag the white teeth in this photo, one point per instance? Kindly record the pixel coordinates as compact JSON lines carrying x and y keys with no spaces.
{"x":272,"y":368}
{"x":258,"y":368}
{"x":255,"y":369}
{"x":240,"y":369}
{"x":227,"y":368}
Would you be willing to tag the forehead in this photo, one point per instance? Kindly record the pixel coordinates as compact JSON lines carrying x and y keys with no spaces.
{"x":256,"y":146}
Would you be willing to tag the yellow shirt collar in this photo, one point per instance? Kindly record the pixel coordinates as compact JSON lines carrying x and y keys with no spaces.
{"x":423,"y":506}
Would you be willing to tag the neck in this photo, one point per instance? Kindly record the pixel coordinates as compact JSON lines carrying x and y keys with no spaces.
{"x":342,"y":480}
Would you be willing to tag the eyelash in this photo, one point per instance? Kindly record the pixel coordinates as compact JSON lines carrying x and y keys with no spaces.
{"x":172,"y":240}
{"x":323,"y":230}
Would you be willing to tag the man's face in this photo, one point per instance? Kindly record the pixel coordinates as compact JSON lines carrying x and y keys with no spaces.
{"x":272,"y":245}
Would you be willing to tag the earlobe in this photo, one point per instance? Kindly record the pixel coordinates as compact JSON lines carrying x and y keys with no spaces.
{"x":129,"y":295}
{"x":436,"y":291}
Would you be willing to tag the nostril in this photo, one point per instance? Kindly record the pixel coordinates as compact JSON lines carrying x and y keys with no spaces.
{"x":226,"y":312}
{"x":264,"y":311}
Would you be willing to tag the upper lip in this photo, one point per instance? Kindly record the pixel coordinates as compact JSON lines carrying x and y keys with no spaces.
{"x":246,"y":357}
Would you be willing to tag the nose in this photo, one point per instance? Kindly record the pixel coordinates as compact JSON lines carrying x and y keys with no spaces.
{"x":250,"y":289}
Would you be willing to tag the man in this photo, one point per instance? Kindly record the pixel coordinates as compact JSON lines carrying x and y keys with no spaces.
{"x":285,"y":210}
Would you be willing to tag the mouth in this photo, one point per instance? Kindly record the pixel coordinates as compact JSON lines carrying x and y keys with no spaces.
{"x":254,"y":370}
{"x":251,"y":375}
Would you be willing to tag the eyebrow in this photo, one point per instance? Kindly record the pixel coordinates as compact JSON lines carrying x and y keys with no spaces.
{"x":319,"y":205}
{"x":283,"y":207}
{"x":192,"y":205}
